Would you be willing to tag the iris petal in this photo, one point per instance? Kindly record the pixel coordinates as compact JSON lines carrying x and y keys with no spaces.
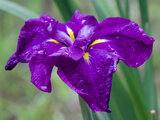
{"x":131,"y":44}
{"x":33,"y":33}
{"x":91,"y":81}
{"x":41,"y":74}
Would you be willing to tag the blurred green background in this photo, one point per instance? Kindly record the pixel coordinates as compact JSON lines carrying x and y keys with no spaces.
{"x":20,"y":99}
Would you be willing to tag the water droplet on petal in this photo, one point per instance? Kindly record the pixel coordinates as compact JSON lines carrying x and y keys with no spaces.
{"x":40,"y":52}
{"x":144,"y":34}
{"x":140,"y":29}
{"x":83,"y":21}
{"x":43,"y":87}
{"x":66,"y":54}
{"x":49,"y":28}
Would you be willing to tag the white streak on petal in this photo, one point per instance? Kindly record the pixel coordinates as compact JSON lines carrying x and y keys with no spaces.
{"x":86,"y":31}
{"x":49,"y":28}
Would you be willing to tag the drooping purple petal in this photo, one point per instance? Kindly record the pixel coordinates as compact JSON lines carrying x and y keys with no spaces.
{"x":91,"y":79}
{"x":41,"y":73}
{"x":33,"y":33}
{"x":126,"y":38}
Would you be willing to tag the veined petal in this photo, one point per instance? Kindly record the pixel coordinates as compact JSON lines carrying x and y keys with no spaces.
{"x":86,"y":25}
{"x":41,"y":73}
{"x":84,"y":19}
{"x":33,"y":36}
{"x":69,"y":52}
{"x":84,"y":36}
{"x":91,"y":78}
{"x":131,"y":44}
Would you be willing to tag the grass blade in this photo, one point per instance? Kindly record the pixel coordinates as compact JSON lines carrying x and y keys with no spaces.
{"x":17,"y":10}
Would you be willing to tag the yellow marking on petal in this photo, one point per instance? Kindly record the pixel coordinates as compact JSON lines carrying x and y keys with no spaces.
{"x":86,"y":57}
{"x":99,"y":41}
{"x":71,"y":34}
{"x":53,"y":40}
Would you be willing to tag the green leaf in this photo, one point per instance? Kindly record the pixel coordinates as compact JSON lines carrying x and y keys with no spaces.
{"x":103,"y":9}
{"x":149,"y":84}
{"x":17,"y":10}
{"x":136,"y":91}
{"x":105,"y":115}
{"x":86,"y":111}
{"x":120,"y":8}
{"x":95,"y":117}
{"x":127,"y":10}
{"x":121,"y":103}
{"x":67,"y":8}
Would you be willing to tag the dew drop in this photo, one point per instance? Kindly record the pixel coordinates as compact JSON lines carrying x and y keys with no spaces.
{"x":81,"y":89}
{"x":43,"y":87}
{"x":49,"y":28}
{"x":140,"y":29}
{"x":83,"y":21}
{"x":40,"y":52}
{"x":66,"y":54}
{"x":143,"y":34}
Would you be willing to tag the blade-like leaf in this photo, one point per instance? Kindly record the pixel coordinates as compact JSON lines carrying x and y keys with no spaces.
{"x":17,"y":10}
{"x":103,"y":9}
{"x":136,"y":91}
{"x":121,"y":103}
{"x":120,"y":8}
{"x":105,"y":116}
{"x":149,"y":84}
{"x":86,"y":111}
{"x":127,"y":10}
{"x":67,"y":8}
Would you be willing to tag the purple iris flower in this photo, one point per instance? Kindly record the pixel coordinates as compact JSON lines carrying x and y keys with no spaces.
{"x":86,"y":53}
